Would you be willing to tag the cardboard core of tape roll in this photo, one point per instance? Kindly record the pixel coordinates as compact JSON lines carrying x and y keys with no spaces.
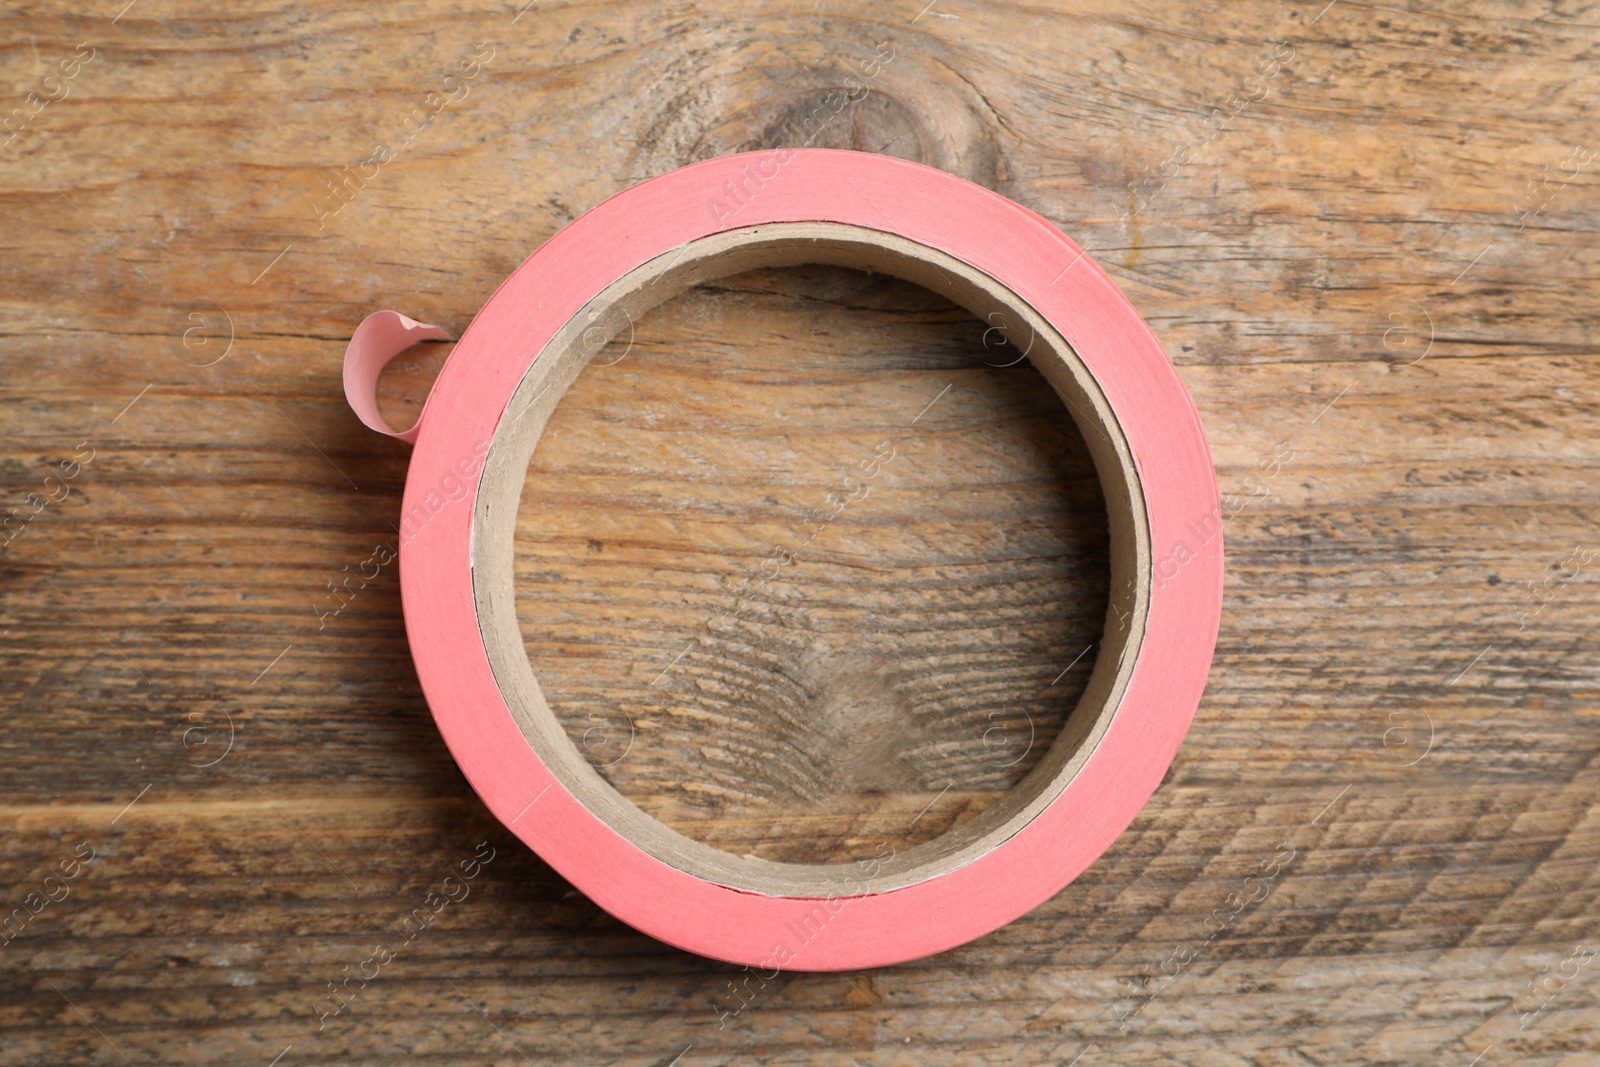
{"x":791,"y":244}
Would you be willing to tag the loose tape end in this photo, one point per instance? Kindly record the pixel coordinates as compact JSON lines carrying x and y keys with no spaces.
{"x":381,"y":336}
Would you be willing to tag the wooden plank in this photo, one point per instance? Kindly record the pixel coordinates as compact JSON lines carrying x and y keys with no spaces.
{"x":1365,"y":236}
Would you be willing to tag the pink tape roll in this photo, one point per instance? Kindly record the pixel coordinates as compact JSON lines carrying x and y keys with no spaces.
{"x":789,"y":206}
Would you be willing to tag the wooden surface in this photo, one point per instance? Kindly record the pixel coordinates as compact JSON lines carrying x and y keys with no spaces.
{"x":1328,"y":213}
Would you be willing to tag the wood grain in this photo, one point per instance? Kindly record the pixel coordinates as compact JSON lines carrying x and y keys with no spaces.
{"x":902,"y":668}
{"x":1324,"y":210}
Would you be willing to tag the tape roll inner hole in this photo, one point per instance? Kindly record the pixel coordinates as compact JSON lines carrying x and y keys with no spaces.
{"x":778,"y":245}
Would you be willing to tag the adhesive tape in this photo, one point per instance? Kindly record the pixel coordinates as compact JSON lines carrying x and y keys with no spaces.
{"x":483,"y":419}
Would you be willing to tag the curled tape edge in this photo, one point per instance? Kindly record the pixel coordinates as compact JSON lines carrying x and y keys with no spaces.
{"x":381,"y":336}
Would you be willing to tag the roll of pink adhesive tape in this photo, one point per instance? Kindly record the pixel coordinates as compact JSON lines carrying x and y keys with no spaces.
{"x":485,"y":414}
